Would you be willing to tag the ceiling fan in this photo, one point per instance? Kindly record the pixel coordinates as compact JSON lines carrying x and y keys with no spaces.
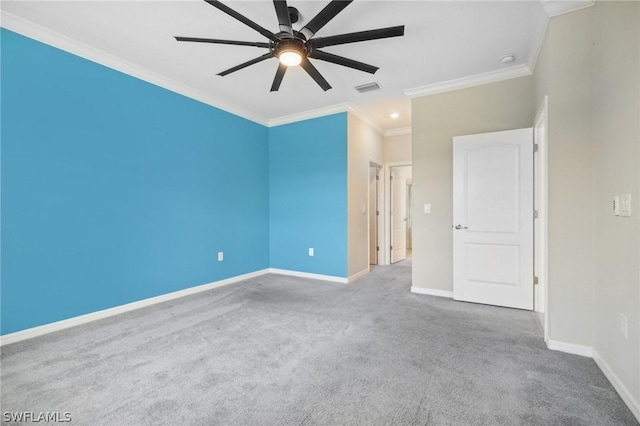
{"x":294,"y":47}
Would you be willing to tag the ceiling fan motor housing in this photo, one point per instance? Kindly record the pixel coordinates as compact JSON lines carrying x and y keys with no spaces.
{"x":294,"y":15}
{"x":297,"y":47}
{"x":291,"y":44}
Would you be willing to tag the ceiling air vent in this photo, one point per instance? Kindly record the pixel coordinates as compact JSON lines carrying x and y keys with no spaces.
{"x":368,"y":87}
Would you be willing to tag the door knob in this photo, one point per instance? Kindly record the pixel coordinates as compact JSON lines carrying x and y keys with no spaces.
{"x":460,"y":227}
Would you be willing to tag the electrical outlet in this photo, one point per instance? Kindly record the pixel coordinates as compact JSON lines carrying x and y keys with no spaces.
{"x":311,"y":251}
{"x":220,"y":256}
{"x":624,"y":326}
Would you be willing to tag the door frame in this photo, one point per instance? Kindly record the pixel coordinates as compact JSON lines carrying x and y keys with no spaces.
{"x":387,"y":206}
{"x":541,"y":202}
{"x":380,"y":217}
{"x":409,"y":195}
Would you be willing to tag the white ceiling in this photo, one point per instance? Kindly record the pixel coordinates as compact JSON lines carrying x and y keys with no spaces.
{"x":444,"y":42}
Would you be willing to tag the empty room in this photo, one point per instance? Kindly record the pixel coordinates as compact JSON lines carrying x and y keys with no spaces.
{"x":365,"y":212}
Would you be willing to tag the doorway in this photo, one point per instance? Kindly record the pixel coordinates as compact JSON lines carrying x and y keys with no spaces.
{"x":399,"y":212}
{"x":409,"y":221}
{"x":540,"y":258}
{"x":374,"y":213}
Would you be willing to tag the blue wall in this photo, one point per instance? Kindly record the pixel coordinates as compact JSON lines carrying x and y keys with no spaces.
{"x":308,"y":195}
{"x":115,"y":190}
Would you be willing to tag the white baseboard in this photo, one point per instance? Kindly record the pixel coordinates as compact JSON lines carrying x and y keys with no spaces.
{"x":331,"y":278}
{"x":570,"y":348}
{"x":432,"y":292}
{"x":358,"y":275}
{"x":622,"y":390}
{"x":615,"y":381}
{"x":105,"y":313}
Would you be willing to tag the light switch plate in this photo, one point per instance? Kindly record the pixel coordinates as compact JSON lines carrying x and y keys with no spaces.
{"x":625,"y":205}
{"x":616,"y":206}
{"x":427,"y":208}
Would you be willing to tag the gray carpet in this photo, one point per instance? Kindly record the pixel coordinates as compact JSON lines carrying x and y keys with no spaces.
{"x":279,"y":350}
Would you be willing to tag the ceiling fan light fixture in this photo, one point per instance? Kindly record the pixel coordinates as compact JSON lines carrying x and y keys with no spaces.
{"x":290,"y":58}
{"x":296,"y":47}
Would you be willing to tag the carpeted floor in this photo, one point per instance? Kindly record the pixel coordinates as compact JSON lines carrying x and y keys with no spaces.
{"x":279,"y":350}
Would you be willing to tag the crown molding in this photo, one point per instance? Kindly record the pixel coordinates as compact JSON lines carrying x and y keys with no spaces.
{"x":363,"y":117}
{"x":67,"y":44}
{"x":560,"y":7}
{"x":321,"y":112}
{"x":538,"y":33}
{"x":306,"y":115}
{"x":549,"y":9}
{"x":397,"y":132}
{"x":470,"y":81}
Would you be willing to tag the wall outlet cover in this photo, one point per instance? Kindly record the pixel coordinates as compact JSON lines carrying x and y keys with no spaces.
{"x":625,"y":205}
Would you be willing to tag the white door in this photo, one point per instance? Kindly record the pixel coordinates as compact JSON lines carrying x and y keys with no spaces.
{"x":493,"y":218}
{"x":398,"y":198}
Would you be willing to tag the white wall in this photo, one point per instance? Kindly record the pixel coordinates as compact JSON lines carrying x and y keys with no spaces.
{"x":401,"y":175}
{"x":589,"y":66}
{"x":436,"y":120}
{"x":365,"y":145}
{"x":397,"y":148}
{"x":616,"y":161}
{"x":563,"y":73}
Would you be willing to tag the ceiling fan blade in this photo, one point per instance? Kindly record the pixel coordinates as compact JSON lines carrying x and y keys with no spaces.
{"x":217,"y":41}
{"x":278,"y":78}
{"x":283,"y":15}
{"x":320,"y":20}
{"x":315,"y":74}
{"x":246,"y":64}
{"x":340,"y":60}
{"x":248,"y":22}
{"x":358,"y":36}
